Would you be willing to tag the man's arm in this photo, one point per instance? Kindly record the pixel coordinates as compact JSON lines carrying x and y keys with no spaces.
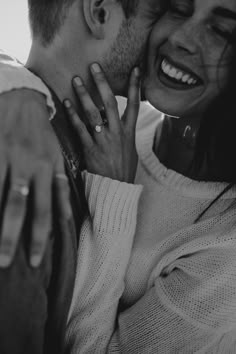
{"x":13,"y":75}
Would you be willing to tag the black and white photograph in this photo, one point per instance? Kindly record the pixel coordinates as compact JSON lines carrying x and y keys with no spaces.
{"x":117,"y":176}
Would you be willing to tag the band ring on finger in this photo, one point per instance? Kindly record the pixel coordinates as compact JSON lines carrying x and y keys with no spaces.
{"x":98,"y":127}
{"x":20,"y":186}
{"x":61,"y":176}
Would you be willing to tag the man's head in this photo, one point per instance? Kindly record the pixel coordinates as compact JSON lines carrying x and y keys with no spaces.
{"x":47,"y":16}
{"x":111,"y":32}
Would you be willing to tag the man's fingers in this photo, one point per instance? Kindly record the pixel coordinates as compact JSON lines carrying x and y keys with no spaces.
{"x":3,"y":175}
{"x":78,"y":126}
{"x":42,"y":219}
{"x":108,"y":98}
{"x":133,"y":103}
{"x":62,"y":190}
{"x":14,"y":215}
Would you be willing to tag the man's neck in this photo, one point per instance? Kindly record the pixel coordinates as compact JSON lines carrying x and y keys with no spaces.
{"x":57,"y":72}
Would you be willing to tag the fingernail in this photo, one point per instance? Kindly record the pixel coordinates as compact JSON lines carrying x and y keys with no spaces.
{"x":35,"y":260}
{"x":137,"y":72}
{"x":78,"y":81}
{"x":5,"y":261}
{"x":67,"y":103}
{"x":68,"y":211}
{"x":96,"y":68}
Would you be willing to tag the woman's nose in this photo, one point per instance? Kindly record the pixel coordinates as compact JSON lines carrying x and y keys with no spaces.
{"x":186,"y":37}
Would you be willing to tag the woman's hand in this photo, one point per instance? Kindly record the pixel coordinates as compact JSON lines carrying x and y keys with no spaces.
{"x":108,"y":144}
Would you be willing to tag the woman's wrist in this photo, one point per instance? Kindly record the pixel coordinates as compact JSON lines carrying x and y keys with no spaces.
{"x":112,"y":204}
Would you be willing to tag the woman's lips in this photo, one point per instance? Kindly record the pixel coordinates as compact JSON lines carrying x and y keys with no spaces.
{"x":177,"y":76}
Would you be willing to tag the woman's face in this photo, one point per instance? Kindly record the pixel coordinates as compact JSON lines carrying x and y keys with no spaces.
{"x":189,"y":57}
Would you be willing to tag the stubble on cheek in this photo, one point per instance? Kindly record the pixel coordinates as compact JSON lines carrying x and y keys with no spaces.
{"x":127,"y":51}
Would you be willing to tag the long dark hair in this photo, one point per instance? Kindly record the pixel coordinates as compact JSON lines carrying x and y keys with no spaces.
{"x":216,"y":141}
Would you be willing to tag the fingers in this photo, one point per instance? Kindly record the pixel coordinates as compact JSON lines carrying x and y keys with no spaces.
{"x":42,"y":216}
{"x":90,"y":109}
{"x":78,"y":125}
{"x":14,"y":215}
{"x":3,"y":176}
{"x":107,"y":96}
{"x":62,"y":191}
{"x":133,"y":103}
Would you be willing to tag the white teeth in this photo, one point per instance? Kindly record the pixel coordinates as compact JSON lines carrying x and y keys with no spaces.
{"x":185,"y":78}
{"x":177,"y":74}
{"x":173,"y":72}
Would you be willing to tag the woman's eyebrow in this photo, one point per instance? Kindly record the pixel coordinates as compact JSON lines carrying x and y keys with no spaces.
{"x":223,"y":12}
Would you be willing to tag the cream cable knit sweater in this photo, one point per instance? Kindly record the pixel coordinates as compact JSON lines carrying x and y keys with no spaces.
{"x":177,"y":286}
{"x":174,"y":281}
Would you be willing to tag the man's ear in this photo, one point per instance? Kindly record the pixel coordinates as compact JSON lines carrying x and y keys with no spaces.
{"x":96,"y":15}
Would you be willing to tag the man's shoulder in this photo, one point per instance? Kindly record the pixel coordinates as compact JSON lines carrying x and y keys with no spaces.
{"x":14,"y":76}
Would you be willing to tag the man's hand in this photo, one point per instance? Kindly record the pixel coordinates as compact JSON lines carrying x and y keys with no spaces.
{"x":30,"y":159}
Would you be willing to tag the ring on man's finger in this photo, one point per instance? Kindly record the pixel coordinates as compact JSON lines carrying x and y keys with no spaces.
{"x":61,"y":176}
{"x":20,"y":186}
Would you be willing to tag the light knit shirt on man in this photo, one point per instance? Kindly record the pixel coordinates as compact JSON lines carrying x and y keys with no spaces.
{"x":150,"y":279}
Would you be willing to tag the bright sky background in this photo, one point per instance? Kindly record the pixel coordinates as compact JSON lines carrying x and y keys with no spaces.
{"x":14,"y":29}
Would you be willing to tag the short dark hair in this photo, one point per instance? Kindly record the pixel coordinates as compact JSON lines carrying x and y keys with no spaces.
{"x":47,"y":16}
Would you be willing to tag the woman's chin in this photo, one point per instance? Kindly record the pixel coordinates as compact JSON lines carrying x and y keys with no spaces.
{"x":159,"y":99}
{"x":162,"y":104}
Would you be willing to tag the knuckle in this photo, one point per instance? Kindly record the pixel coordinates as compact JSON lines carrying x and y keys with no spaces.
{"x":83,"y":129}
{"x":15,"y":203}
{"x":44,"y":163}
{"x":43,"y":216}
{"x":75,"y":118}
{"x":111,"y":102}
{"x":92,"y":114}
{"x":100,"y":77}
{"x":79,"y":127}
{"x":7,"y":244}
{"x":43,"y":171}
{"x":38,"y":243}
{"x":82,"y":92}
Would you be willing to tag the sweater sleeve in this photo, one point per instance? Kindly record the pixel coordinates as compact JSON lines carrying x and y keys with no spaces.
{"x":189,"y":305}
{"x":188,"y":309}
{"x":13,"y":75}
{"x":104,"y":251}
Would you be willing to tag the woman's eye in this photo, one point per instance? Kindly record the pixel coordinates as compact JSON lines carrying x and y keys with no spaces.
{"x":181,"y":7}
{"x":225,"y":34}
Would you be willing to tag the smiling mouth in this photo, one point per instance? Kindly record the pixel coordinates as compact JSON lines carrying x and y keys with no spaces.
{"x":178,"y":76}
